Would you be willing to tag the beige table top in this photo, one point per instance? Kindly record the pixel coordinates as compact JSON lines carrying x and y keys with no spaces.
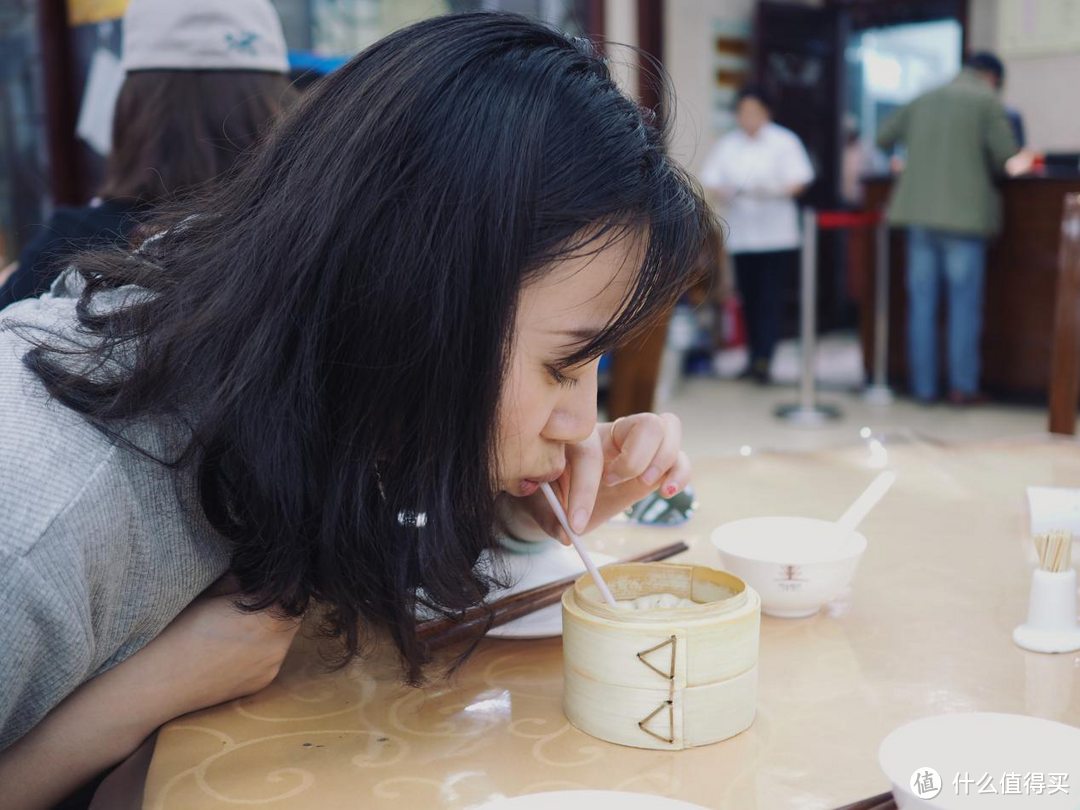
{"x":924,"y":629}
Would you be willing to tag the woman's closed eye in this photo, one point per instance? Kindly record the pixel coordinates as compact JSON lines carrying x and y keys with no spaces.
{"x":563,"y":380}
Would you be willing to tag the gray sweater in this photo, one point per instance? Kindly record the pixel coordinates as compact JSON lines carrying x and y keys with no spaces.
{"x":99,"y":550}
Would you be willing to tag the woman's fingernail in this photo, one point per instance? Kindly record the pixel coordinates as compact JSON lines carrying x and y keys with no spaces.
{"x":579,"y":520}
{"x":670,"y":490}
{"x":611,"y":479}
{"x":651,"y":475}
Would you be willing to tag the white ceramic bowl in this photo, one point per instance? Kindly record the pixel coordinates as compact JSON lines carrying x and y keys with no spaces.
{"x":1002,"y":750}
{"x":796,"y":564}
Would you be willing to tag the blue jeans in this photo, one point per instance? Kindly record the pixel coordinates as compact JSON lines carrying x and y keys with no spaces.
{"x":961,"y":261}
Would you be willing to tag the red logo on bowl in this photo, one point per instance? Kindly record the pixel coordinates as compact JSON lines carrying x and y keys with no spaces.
{"x":790,"y":578}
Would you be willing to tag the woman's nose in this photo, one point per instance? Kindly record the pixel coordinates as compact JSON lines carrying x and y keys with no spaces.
{"x":574,"y":416}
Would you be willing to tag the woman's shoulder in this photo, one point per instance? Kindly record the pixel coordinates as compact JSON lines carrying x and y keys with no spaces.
{"x":47,"y":451}
{"x":99,"y":549}
{"x":51,"y":457}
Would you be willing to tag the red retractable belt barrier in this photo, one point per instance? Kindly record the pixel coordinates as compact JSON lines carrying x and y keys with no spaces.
{"x":834,"y":220}
{"x":808,"y":411}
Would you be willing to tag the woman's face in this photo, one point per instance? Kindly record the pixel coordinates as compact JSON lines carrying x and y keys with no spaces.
{"x":541,"y":410}
{"x":751,"y":115}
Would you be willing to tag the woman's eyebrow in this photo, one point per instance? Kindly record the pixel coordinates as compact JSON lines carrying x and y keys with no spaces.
{"x":583,"y":335}
{"x":578,"y":338}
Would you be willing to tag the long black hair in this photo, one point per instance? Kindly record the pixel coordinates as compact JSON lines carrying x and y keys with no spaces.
{"x":332,"y":323}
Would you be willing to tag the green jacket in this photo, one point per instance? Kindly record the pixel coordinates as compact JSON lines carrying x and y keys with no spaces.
{"x":958,"y":138}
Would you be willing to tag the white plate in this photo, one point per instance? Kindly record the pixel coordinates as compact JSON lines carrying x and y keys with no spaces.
{"x":976,"y":745}
{"x":589,"y":800}
{"x":527,"y":571}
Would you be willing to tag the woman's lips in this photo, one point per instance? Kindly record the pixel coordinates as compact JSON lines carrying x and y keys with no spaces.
{"x":528,"y":486}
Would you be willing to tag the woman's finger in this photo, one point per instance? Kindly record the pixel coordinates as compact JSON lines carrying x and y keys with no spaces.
{"x":637,"y":438}
{"x":678,"y":476}
{"x":667,"y":453}
{"x":581,"y":481}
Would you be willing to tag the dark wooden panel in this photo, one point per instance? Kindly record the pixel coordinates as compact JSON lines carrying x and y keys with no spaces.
{"x":1021,"y":280}
{"x":799,"y":60}
{"x":594,"y":23}
{"x":1065,"y":355}
{"x":60,"y":109}
{"x":1021,"y":284}
{"x":635,"y":369}
{"x":650,"y":20}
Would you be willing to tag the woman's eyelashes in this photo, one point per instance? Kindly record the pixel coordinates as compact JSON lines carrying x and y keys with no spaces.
{"x":563,"y":380}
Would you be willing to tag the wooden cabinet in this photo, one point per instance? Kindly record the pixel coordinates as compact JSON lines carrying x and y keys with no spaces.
{"x":1021,"y":282}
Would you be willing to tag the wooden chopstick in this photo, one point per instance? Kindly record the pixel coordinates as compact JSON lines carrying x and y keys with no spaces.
{"x":442,"y":632}
{"x":883,"y":801}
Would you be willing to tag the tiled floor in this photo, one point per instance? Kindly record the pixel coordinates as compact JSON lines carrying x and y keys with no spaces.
{"x":721,"y":417}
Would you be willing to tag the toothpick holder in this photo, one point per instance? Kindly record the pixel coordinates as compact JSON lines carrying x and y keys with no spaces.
{"x":1051,"y":625}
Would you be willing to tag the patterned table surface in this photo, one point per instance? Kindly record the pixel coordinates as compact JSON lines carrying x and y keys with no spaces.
{"x":924,"y":629}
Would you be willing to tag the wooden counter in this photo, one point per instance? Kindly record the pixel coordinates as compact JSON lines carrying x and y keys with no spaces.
{"x":1022,"y":266}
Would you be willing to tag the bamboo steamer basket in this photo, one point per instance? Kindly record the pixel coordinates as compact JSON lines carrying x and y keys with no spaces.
{"x":667,"y":678}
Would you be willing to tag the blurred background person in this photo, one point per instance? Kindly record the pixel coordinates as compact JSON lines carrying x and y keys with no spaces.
{"x":993,"y":70}
{"x":958,"y":138}
{"x":203,"y":80}
{"x":756,"y":171}
{"x":858,"y":159}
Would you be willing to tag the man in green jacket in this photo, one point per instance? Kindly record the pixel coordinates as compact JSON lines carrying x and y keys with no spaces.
{"x":958,"y":139}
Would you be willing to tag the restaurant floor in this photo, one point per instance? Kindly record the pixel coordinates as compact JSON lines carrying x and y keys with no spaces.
{"x":723,"y":417}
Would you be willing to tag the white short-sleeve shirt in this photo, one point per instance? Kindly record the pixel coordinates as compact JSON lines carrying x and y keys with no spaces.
{"x":755,"y":174}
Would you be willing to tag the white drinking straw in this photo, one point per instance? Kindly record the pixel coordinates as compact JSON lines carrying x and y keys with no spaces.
{"x":867,"y":501}
{"x":590,"y":566}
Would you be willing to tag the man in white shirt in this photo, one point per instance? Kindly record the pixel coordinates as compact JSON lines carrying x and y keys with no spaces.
{"x":756,"y":170}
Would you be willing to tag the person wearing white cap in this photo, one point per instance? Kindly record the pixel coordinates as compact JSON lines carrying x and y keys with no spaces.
{"x":203,"y":35}
{"x":203,"y":80}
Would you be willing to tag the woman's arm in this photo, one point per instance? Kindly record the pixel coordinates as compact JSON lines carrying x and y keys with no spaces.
{"x":892,"y":131}
{"x":209,"y":654}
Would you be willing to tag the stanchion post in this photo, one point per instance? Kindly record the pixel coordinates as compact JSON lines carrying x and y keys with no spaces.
{"x":808,"y":309}
{"x":878,"y":392}
{"x":808,"y":412}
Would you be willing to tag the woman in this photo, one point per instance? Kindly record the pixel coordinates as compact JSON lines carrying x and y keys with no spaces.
{"x":395,"y":308}
{"x":188,"y":107}
{"x":758,"y":169}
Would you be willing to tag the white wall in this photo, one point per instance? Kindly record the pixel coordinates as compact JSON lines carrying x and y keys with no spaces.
{"x":620,"y":28}
{"x":688,"y":57}
{"x":1042,"y":87}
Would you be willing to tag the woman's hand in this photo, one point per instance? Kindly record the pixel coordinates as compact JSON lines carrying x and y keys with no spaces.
{"x":208,"y":654}
{"x":212,"y":652}
{"x":618,"y":465}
